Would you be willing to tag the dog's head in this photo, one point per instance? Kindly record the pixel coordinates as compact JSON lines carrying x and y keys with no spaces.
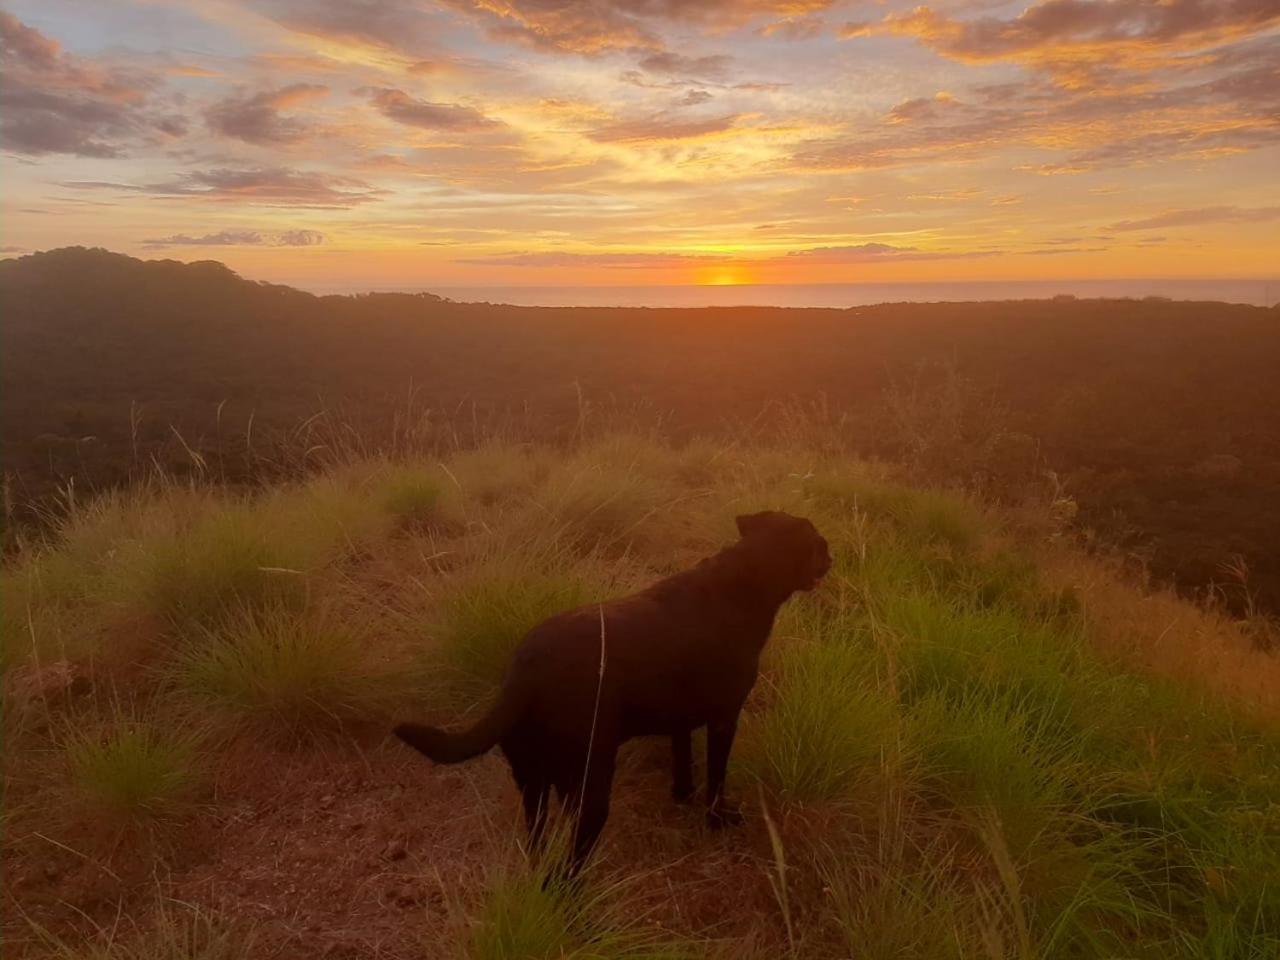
{"x":788,"y":550}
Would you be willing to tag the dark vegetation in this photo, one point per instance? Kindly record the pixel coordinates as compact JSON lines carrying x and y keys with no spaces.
{"x":1161,"y":420}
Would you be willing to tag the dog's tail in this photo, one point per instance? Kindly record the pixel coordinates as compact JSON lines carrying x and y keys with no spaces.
{"x":444,"y":747}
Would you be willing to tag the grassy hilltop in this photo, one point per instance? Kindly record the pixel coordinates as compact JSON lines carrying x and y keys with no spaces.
{"x":970,"y":742}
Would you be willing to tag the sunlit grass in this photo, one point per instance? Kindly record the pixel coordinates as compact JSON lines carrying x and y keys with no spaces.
{"x":277,"y":670}
{"x":483,"y":619}
{"x":991,"y":782}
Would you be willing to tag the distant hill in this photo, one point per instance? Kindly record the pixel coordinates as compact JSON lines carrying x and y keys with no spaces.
{"x":1162,"y":418}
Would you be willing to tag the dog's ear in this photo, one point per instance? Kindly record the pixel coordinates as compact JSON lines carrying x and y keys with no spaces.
{"x":751,"y":523}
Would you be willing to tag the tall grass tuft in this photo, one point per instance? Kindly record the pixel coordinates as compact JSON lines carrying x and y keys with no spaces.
{"x":412,"y":495}
{"x":532,"y":911}
{"x":226,"y":561}
{"x":482,"y":621}
{"x":136,"y":770}
{"x":825,"y":727}
{"x":274,"y":668}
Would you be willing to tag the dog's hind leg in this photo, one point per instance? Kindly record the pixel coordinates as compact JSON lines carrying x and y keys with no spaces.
{"x":682,"y":766}
{"x":535,"y":795}
{"x":535,"y":788}
{"x":589,"y":803}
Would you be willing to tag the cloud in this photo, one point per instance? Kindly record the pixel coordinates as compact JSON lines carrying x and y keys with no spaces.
{"x":241,"y":238}
{"x":880,"y":253}
{"x":669,"y":64}
{"x":399,"y":106}
{"x":662,"y":126}
{"x":1200,"y":215}
{"x":225,"y":238}
{"x":300,"y":238}
{"x":55,"y":102}
{"x":594,"y":27}
{"x":692,"y":98}
{"x":401,"y":25}
{"x":1229,"y":106}
{"x":795,"y":28}
{"x":256,"y":118}
{"x":860,"y":253}
{"x":1062,"y":34}
{"x":619,"y":260}
{"x":269,"y":186}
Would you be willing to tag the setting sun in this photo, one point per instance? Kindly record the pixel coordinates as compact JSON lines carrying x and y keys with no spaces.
{"x":729,"y":276}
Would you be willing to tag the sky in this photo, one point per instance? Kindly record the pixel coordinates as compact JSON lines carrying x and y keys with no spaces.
{"x":383,"y":144}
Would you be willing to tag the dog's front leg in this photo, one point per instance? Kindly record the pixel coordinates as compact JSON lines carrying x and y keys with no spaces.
{"x":720,"y":733}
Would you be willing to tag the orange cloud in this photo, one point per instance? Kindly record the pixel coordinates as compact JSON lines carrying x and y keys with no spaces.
{"x":1065,"y":34}
{"x":1186,"y":218}
{"x":257,"y":119}
{"x":662,"y":126}
{"x":55,"y":102}
{"x":399,"y":106}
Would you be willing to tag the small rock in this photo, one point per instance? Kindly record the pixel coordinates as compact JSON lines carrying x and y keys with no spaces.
{"x":405,"y":896}
{"x":326,"y":801}
{"x":395,"y":850}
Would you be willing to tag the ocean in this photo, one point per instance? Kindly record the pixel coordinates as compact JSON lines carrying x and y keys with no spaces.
{"x":1259,"y":292}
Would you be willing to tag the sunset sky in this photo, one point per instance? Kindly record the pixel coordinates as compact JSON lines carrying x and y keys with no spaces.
{"x":374,"y":144}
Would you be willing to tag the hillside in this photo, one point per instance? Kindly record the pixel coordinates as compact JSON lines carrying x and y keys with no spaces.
{"x":1159,"y":418}
{"x":970,"y":741}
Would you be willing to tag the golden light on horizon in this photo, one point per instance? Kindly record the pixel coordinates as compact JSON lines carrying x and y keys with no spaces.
{"x":724,"y":276}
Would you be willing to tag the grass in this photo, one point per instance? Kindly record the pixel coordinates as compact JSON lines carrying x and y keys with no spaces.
{"x":178,"y":931}
{"x":970,"y":744}
{"x":137,"y":770}
{"x":272,"y":669}
{"x":529,"y":910}
{"x":225,"y":561}
{"x":413,"y":496}
{"x":481,"y":621}
{"x":826,"y":727}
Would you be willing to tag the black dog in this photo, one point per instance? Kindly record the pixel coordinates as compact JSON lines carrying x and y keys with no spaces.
{"x":680,"y":655}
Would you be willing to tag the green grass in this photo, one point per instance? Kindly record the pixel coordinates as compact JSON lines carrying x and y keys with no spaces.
{"x":530,"y":911}
{"x":136,"y":770}
{"x":952,"y":765}
{"x":274,"y":669}
{"x":226,"y":561}
{"x":827,"y":725}
{"x":177,"y":931}
{"x":496,"y":472}
{"x":413,"y":496}
{"x":482,"y":620}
